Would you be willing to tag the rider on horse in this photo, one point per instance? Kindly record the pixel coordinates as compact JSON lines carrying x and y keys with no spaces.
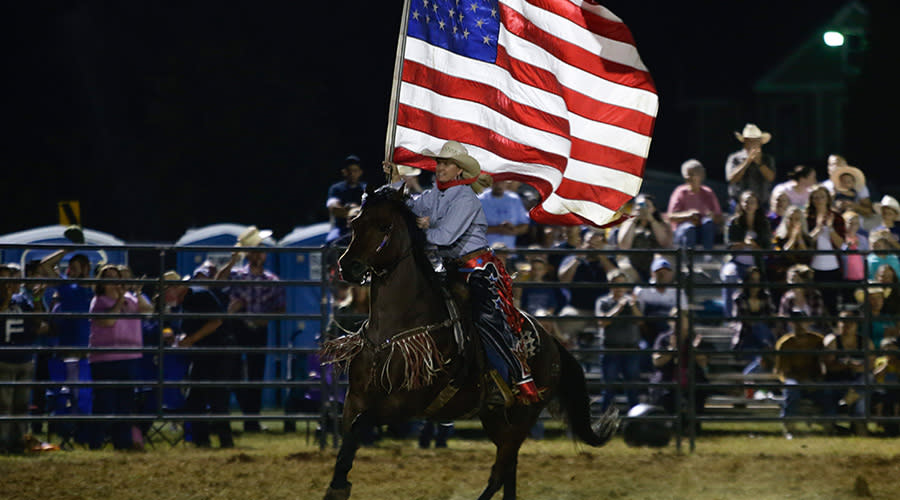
{"x":453,"y":221}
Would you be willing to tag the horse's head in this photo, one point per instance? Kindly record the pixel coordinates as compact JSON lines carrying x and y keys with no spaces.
{"x":380,"y":235}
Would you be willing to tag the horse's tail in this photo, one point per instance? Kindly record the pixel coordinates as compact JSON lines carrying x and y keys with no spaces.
{"x":573,"y":395}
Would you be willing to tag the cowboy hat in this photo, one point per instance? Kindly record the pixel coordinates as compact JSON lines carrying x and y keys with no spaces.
{"x":860,"y":294}
{"x":889,"y":202}
{"x":859,"y":178}
{"x":458,"y":154}
{"x":252,"y":237}
{"x":751,"y":131}
{"x":74,"y":234}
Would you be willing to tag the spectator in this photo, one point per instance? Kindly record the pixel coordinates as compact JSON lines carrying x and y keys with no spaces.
{"x":753,"y":300}
{"x":845,"y":187}
{"x":797,"y":187}
{"x":853,"y":264}
{"x":886,"y":401}
{"x":791,"y":234}
{"x":828,"y":232}
{"x":15,"y":366}
{"x":644,"y":231}
{"x":889,"y":210}
{"x":252,"y":299}
{"x":886,"y":277}
{"x":848,"y":367}
{"x":586,"y":268}
{"x":836,"y":166}
{"x":344,"y":198}
{"x":204,"y":332}
{"x":694,"y":210}
{"x":551,"y":299}
{"x":657,"y":300}
{"x":802,"y":368}
{"x":115,"y":366}
{"x":749,"y":169}
{"x":884,"y":252}
{"x":748,"y":229}
{"x":505,"y":214}
{"x":671,"y":361}
{"x":618,"y":333}
{"x":777,"y":207}
{"x":806,"y":300}
{"x":880,"y":327}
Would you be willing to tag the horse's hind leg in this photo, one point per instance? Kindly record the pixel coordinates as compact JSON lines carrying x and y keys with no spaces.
{"x":339,"y":489}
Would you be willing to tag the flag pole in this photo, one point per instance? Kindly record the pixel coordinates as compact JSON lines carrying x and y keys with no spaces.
{"x":395,"y":87}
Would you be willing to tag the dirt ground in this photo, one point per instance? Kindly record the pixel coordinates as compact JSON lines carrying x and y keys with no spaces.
{"x":726,"y":465}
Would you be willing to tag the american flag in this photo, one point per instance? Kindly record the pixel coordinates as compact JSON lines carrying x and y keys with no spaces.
{"x":549,"y":92}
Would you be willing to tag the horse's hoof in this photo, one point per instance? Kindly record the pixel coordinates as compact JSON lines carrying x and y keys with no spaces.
{"x":337,"y":494}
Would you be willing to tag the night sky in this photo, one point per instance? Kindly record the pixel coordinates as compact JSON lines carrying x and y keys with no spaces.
{"x":161,"y":116}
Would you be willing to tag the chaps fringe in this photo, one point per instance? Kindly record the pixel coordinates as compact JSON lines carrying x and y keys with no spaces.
{"x":421,"y":359}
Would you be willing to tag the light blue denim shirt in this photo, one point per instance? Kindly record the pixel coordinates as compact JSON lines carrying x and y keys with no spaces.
{"x":458,"y":225}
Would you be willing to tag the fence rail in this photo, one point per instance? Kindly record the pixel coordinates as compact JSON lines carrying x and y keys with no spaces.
{"x":687,"y":284}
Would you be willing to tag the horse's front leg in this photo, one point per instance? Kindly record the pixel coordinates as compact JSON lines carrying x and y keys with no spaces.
{"x":359,"y":422}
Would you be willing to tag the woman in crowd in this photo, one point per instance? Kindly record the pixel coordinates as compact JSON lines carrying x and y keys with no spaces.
{"x":777,"y":207}
{"x":753,"y":300}
{"x":854,"y":264}
{"x":791,"y":234}
{"x":804,"y":301}
{"x":748,"y":229}
{"x":884,"y":252}
{"x":798,"y":186}
{"x":887,"y":278}
{"x":115,"y":366}
{"x":828,"y":232}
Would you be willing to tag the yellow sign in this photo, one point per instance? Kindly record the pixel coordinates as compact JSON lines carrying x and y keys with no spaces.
{"x":69,"y":213}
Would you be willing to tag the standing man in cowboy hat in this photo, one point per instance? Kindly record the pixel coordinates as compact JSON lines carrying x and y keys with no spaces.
{"x":749,"y":169}
{"x":889,"y":210}
{"x":252,"y":300}
{"x":453,"y":220}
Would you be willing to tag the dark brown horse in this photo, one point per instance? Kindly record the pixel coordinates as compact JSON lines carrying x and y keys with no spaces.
{"x":407,"y":360}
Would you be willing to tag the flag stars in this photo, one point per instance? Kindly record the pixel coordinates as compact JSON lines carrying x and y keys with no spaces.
{"x":494,"y":13}
{"x":455,"y":29}
{"x":426,"y":3}
{"x":442,"y":24}
{"x":415,"y":15}
{"x":452,"y":13}
{"x":434,"y":7}
{"x":480,"y":23}
{"x":474,"y":7}
{"x":466,"y":33}
{"x":460,"y":17}
{"x":486,"y":39}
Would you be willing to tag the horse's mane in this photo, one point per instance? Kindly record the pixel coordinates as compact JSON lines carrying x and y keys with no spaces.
{"x":397,"y":200}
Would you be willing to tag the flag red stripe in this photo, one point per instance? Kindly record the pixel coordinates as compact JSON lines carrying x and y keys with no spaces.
{"x":606,"y":156}
{"x":601,"y":195}
{"x":572,"y":54}
{"x":586,"y":19}
{"x":481,"y":93}
{"x":577,"y":102}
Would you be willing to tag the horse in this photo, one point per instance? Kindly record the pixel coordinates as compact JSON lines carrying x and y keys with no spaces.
{"x":410,"y":360}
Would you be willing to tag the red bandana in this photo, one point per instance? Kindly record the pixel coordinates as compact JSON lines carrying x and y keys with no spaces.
{"x":458,"y":182}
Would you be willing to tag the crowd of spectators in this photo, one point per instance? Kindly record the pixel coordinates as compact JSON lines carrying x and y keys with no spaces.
{"x":781,"y":300}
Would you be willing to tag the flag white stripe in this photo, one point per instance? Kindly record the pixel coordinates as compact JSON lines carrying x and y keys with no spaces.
{"x":557,"y":205}
{"x":492,"y":163}
{"x":563,"y":28}
{"x":609,"y":135}
{"x":465,"y":68}
{"x":578,"y":79}
{"x":598,"y":175}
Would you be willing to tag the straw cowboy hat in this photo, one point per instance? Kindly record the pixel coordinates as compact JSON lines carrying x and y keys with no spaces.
{"x":751,"y":131}
{"x":252,"y":237}
{"x":860,"y":294}
{"x":859,"y":178}
{"x":458,"y":154}
{"x":889,"y":202}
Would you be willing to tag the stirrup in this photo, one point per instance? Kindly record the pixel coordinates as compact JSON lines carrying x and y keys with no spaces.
{"x":499,"y":394}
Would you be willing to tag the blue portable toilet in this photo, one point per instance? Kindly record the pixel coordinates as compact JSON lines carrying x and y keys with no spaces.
{"x":303,"y":265}
{"x":55,"y":234}
{"x":227,"y":235}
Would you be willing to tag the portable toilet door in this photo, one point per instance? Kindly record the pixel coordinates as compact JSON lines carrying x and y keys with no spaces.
{"x":55,"y":235}
{"x":226,"y":235}
{"x":303,"y":265}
